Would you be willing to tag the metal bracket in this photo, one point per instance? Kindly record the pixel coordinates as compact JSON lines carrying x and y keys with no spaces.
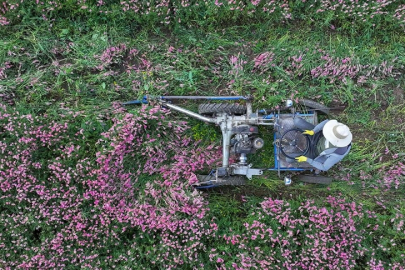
{"x":245,"y":170}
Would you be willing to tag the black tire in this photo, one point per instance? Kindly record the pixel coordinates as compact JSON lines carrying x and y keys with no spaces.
{"x":214,"y":108}
{"x":314,"y":179}
{"x":294,"y":144}
{"x":233,"y":180}
{"x":314,"y":105}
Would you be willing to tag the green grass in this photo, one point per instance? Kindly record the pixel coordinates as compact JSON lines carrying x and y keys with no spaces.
{"x":76,"y":81}
{"x":60,"y":64}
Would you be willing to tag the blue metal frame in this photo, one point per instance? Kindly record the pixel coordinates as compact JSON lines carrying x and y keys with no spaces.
{"x":276,"y":163}
{"x":145,"y":99}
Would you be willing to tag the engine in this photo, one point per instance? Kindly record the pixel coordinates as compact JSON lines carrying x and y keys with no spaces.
{"x":246,"y":140}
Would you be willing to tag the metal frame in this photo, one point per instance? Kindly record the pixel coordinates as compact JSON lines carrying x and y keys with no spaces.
{"x":277,"y":152}
{"x":226,"y":123}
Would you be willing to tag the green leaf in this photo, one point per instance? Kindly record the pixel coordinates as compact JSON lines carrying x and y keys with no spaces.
{"x":190,"y":76}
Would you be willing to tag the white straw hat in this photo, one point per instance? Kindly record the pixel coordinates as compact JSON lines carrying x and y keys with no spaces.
{"x":337,"y":133}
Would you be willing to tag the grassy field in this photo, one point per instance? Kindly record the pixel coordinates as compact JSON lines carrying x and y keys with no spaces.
{"x":88,"y":183}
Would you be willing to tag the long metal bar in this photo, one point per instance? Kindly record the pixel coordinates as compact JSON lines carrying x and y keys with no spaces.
{"x":206,"y":97}
{"x":145,"y":99}
{"x":287,"y":169}
{"x":190,"y":113}
{"x":226,"y":128}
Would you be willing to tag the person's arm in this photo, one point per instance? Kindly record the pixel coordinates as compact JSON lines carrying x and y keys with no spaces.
{"x":320,"y":126}
{"x":326,"y":161}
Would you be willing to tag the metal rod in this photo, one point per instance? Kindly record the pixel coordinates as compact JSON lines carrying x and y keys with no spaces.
{"x":286,"y":169}
{"x":226,"y":141}
{"x":145,"y":99}
{"x":206,"y":97}
{"x":249,"y":109}
{"x":190,"y":113}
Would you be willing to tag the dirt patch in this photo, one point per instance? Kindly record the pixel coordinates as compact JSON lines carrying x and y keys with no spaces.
{"x":399,"y":95}
{"x":337,"y":107}
{"x":361,"y":134}
{"x":389,"y":96}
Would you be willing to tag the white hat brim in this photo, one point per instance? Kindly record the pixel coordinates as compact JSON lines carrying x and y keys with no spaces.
{"x":330,"y":136}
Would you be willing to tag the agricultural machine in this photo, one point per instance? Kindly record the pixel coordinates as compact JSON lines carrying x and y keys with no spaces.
{"x":240,"y":136}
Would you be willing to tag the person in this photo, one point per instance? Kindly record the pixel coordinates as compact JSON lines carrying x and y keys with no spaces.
{"x":330,"y":142}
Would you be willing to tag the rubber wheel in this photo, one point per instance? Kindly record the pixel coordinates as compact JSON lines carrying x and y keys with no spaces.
{"x":234,"y":180}
{"x":314,"y":105}
{"x":314,"y":179}
{"x":294,"y":144}
{"x":214,"y":108}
